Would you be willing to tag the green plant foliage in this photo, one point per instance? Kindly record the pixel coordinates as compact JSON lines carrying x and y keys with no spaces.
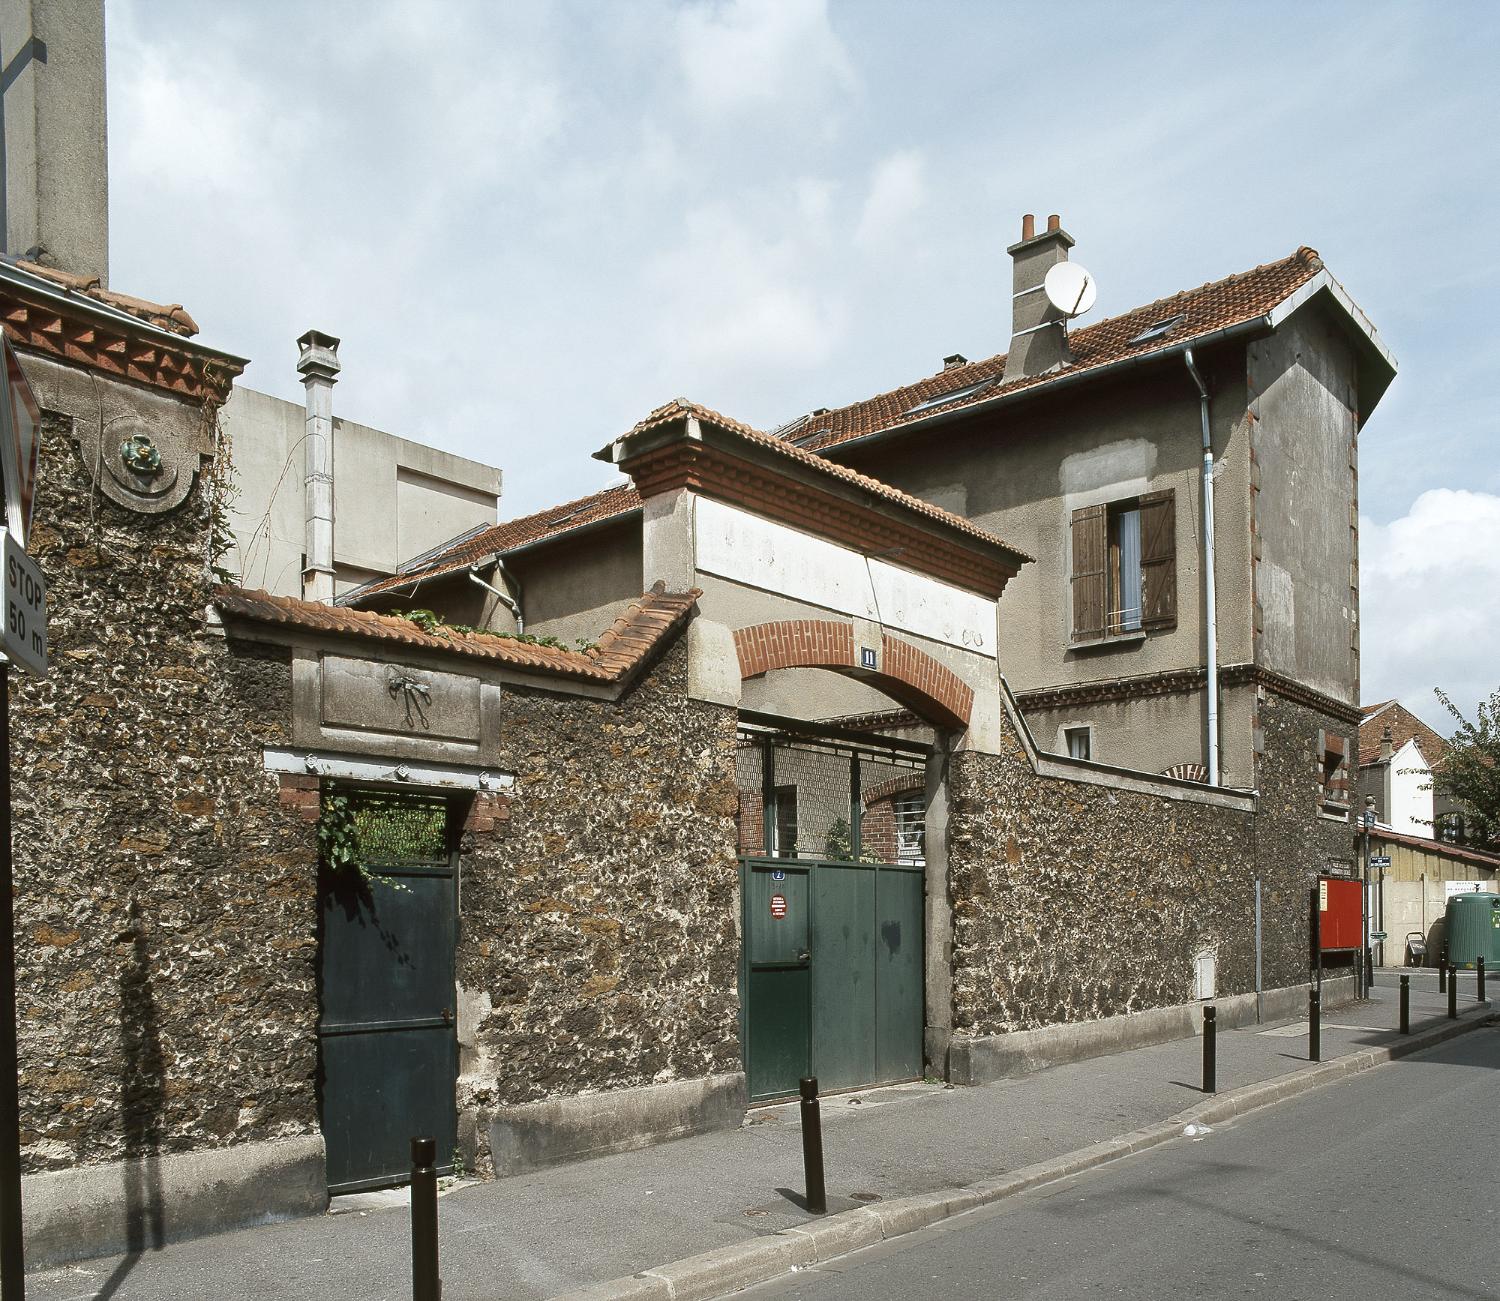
{"x":1469,"y":770}
{"x":340,"y":841}
{"x":434,"y":625}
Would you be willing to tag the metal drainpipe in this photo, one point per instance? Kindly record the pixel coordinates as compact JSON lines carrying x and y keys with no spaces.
{"x":1208,"y":571}
{"x":508,"y":601}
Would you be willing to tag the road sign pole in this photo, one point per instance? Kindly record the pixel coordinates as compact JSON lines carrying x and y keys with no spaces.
{"x":12,"y":1248}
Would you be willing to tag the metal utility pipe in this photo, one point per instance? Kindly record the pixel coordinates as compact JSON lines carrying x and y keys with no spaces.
{"x":318,"y":364}
{"x":1208,"y":573}
{"x":505,"y":598}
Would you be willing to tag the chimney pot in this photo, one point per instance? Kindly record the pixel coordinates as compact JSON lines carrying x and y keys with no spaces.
{"x":1387,"y":746}
{"x":1028,"y":226}
{"x":957,"y":359}
{"x":1054,"y":222}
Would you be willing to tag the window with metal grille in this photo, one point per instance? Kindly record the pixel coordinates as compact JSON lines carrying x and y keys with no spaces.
{"x":911,"y":828}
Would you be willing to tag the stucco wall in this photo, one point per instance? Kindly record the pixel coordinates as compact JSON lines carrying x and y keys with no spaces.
{"x":598,"y":943}
{"x":1022,"y":472}
{"x":576,"y":589}
{"x":165,"y":900}
{"x":1303,"y":383}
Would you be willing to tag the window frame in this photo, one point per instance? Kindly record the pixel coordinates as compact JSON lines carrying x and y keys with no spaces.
{"x":1096,"y":581}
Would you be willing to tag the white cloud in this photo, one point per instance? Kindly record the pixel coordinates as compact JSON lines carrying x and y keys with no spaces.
{"x":898,"y":192}
{"x":1429,"y":583}
{"x":747,"y":54}
{"x":747,"y":296}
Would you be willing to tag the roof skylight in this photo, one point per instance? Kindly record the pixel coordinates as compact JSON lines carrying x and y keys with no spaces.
{"x":1158,"y":330}
{"x":953,"y":395}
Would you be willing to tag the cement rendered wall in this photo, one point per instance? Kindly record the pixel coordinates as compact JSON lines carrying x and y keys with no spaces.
{"x":165,"y":900}
{"x":1303,"y":384}
{"x":392,"y":498}
{"x":1024,"y":469}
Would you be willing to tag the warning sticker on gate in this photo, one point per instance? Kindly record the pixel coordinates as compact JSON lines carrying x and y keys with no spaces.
{"x":778,"y":906}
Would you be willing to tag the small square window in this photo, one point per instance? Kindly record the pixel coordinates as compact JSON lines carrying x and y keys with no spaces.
{"x":1079,"y":742}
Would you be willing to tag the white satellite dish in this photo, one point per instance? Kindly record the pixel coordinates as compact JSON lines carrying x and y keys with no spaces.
{"x":1070,"y":289}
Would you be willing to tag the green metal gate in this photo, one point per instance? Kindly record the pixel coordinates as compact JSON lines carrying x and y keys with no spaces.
{"x":386,"y":1038}
{"x":832,"y":976}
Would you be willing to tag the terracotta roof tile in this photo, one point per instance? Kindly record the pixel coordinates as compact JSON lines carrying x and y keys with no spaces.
{"x":1205,"y":310}
{"x":1464,"y":852}
{"x":681,"y":408}
{"x":624,"y":648}
{"x":555,"y":521}
{"x":1405,"y":726}
{"x":166,"y":316}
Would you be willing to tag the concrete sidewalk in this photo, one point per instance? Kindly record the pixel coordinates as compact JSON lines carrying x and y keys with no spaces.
{"x":537,"y":1236}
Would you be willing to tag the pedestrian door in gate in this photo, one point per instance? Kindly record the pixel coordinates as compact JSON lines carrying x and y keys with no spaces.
{"x":832,"y":970}
{"x":386,"y":1039}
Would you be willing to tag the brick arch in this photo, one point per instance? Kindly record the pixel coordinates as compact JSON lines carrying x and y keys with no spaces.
{"x":903,"y":671}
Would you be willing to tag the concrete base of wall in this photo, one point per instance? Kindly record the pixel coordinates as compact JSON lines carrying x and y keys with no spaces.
{"x":142,"y":1203}
{"x":1005,"y":1056}
{"x":538,"y":1134}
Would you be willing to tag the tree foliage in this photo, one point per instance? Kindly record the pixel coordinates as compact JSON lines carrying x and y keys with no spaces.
{"x":1470,"y":770}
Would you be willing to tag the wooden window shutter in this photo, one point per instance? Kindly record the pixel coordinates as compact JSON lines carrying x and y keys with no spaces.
{"x":1159,"y":560}
{"x":1090,"y":554}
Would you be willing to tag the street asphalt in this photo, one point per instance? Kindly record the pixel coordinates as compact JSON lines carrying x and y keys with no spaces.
{"x":537,"y":1236}
{"x":1382,"y":1186}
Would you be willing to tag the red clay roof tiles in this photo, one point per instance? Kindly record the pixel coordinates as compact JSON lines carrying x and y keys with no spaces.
{"x":1405,"y":726}
{"x":1205,"y":310}
{"x":623,"y":648}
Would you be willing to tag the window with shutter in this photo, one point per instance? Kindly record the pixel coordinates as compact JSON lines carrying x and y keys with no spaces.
{"x":1158,"y":512}
{"x":1090,"y":555}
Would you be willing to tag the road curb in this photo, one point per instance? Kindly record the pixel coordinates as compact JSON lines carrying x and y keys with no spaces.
{"x":758,"y":1260}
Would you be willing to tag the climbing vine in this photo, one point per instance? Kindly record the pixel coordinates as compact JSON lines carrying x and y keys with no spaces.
{"x":221,"y":487}
{"x":435,"y":625}
{"x":338,"y":840}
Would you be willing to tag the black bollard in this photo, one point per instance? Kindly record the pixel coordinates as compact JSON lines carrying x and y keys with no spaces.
{"x":812,"y":1147}
{"x":1210,"y":1049}
{"x":1443,"y":970}
{"x":1479,"y":969}
{"x":425,"y":1283}
{"x":1314,"y":1027}
{"x":1452,"y":993}
{"x":1405,"y":1004}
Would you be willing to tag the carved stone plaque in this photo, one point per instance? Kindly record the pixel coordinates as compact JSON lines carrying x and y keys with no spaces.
{"x":372,"y":696}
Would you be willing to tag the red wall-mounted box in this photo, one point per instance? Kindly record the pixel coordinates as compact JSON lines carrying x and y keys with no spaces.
{"x":1340,"y":918}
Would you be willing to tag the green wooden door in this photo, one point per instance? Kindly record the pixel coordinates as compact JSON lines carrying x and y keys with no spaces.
{"x":776,"y":996}
{"x":386,"y":1037}
{"x":838,"y":992}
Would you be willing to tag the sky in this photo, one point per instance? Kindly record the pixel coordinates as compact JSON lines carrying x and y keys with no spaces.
{"x":532,"y":223}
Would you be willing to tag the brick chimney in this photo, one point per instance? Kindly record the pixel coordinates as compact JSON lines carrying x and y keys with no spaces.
{"x":1039,"y":336}
{"x":1387,"y":746}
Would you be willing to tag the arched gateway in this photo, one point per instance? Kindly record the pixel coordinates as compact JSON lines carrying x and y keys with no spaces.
{"x":853,"y":628}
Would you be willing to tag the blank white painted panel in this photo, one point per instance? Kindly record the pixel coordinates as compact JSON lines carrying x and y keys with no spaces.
{"x":747,"y":549}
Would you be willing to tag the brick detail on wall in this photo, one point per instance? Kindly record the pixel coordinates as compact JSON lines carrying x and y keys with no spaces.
{"x":794,"y":643}
{"x":948,"y":699}
{"x":904,"y":672}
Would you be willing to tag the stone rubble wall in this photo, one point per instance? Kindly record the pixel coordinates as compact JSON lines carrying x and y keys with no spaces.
{"x":1073,"y":901}
{"x":599,"y":939}
{"x":165,"y":899}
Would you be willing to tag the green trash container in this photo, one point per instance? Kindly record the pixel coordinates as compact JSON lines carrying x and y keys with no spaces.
{"x":1473,"y":927}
